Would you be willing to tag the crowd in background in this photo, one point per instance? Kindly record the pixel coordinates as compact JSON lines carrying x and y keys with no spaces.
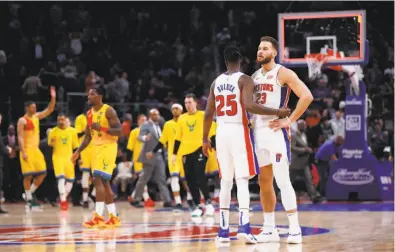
{"x":146,"y":56}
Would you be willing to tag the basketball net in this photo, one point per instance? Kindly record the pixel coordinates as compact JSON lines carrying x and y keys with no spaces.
{"x":315,"y":62}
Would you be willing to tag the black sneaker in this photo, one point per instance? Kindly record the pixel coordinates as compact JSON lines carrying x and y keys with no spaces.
{"x":137,"y":204}
{"x":2,"y":211}
{"x":191,"y":204}
{"x":167,"y":205}
{"x":85,"y":204}
{"x":178,"y":208}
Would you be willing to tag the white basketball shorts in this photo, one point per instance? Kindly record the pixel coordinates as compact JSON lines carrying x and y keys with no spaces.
{"x":272,"y":147}
{"x":236,"y":152}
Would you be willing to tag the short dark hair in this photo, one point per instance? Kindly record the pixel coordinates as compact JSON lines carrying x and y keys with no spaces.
{"x":100,"y":90}
{"x":191,"y":95}
{"x":140,"y":115}
{"x":232,"y":54}
{"x":28,"y":103}
{"x":272,"y":40}
{"x":62,"y":114}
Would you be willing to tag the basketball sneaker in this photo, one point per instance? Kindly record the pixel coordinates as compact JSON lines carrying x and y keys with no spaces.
{"x":64,"y":205}
{"x":209,"y":209}
{"x":294,"y":235}
{"x":96,"y":222}
{"x":268,"y":234}
{"x":223,"y":235}
{"x":178,"y":208}
{"x":244,"y":233}
{"x":198,"y":212}
{"x":113,"y":221}
{"x":149,"y":203}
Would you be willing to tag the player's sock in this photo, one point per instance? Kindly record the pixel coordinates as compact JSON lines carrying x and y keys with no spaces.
{"x":111,"y":209}
{"x":33,"y":188}
{"x":243,"y":197}
{"x":84,"y":196}
{"x":62,"y":189}
{"x":69,"y":187}
{"x":189,"y":196}
{"x":224,"y":202}
{"x":28,"y":195}
{"x":99,"y":208}
{"x":85,"y":185}
{"x":269,"y":220}
{"x":293,"y":220}
{"x":133,"y":193}
{"x":216,"y":192}
{"x":93,"y":193}
{"x":145,"y":193}
{"x":175,"y":187}
{"x":224,"y":218}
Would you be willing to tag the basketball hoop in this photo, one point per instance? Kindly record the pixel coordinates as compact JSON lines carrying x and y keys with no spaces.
{"x":314,"y":63}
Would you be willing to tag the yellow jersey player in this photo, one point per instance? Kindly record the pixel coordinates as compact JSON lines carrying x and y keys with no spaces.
{"x":188,"y":144}
{"x":32,"y":159}
{"x":85,"y":160}
{"x":103,"y":130}
{"x":177,"y":170}
{"x":63,"y":139}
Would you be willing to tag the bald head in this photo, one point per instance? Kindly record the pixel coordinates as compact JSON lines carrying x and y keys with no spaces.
{"x":154,"y":115}
{"x":301,"y":126}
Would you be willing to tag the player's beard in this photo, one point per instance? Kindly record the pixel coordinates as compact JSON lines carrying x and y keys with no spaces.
{"x":264,"y":61}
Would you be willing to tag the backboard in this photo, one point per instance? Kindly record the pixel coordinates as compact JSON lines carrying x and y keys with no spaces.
{"x":301,"y":34}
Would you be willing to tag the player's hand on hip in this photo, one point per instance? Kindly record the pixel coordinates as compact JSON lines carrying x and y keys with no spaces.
{"x":96,"y":126}
{"x":24,"y":156}
{"x":74,"y":157}
{"x":173,"y":159}
{"x":279,"y":124}
{"x":149,"y":155}
{"x":206,"y":147}
{"x":147,"y":137}
{"x":284,"y":112}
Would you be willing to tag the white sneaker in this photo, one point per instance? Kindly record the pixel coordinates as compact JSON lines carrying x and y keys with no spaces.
{"x":198,"y":212}
{"x":295,"y":235}
{"x":210,"y":210}
{"x":268,"y":234}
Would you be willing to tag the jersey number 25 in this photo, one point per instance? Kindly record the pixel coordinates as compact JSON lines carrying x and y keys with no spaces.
{"x":230,"y":105}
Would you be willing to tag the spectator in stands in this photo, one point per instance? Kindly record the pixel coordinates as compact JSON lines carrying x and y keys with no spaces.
{"x":378,"y":139}
{"x":31,"y":88}
{"x":327,"y":130}
{"x":338,"y":124}
{"x":328,"y":152}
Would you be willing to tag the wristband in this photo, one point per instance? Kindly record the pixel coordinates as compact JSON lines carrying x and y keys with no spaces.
{"x":289,"y":121}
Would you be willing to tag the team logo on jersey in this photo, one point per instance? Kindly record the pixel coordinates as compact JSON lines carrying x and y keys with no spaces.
{"x":278,"y":157}
{"x":63,"y":140}
{"x":174,"y":232}
{"x":191,"y":126}
{"x":105,"y":165}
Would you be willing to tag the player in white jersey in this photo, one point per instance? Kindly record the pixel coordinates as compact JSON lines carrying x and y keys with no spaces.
{"x":231,"y":98}
{"x":273,"y":85}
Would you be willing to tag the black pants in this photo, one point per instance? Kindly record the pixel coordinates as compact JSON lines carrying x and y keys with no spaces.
{"x":195,"y":165}
{"x":323,"y":170}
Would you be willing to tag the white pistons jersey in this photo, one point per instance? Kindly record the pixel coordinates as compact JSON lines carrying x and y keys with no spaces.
{"x":273,"y":147}
{"x":269,"y":93}
{"x":234,"y":139}
{"x":228,"y":106}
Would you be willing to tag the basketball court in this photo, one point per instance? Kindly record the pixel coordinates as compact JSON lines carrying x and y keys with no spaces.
{"x":326,"y":227}
{"x":335,"y":38}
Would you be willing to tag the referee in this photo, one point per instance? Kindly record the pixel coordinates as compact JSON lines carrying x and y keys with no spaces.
{"x":188,"y":143}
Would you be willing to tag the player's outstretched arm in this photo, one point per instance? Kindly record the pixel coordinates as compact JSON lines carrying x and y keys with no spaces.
{"x":86,"y":141}
{"x":114,"y":123}
{"x":51,"y":106}
{"x":289,"y":77}
{"x":247,"y":87}
{"x":208,"y":119}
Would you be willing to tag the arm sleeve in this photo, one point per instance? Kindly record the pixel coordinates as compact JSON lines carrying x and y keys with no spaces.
{"x":158,"y":147}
